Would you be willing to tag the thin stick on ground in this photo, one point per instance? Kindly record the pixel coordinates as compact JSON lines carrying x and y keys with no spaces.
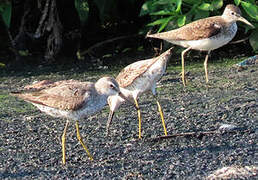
{"x":201,"y":134}
{"x":87,"y":51}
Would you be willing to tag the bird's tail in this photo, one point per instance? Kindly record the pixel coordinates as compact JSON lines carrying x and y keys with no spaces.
{"x":157,"y":35}
{"x":15,"y":93}
{"x":148,"y":34}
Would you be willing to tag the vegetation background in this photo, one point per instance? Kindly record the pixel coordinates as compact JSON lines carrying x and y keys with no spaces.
{"x":60,"y":31}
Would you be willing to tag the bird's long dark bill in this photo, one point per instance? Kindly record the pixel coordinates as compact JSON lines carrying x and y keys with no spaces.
{"x":110,"y":117}
{"x":123,"y":96}
{"x":245,"y":21}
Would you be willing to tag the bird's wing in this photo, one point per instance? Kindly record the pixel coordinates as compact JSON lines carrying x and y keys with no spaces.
{"x":68,"y":96}
{"x":200,"y":29}
{"x":133,"y":71}
{"x":47,"y":84}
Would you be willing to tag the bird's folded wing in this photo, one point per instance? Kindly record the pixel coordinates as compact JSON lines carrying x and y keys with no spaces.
{"x":200,"y":29}
{"x":63,"y":97}
{"x":133,"y":71}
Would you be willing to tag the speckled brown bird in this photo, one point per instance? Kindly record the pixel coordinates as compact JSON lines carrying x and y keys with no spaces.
{"x":71,"y":99}
{"x":136,"y":79}
{"x":205,"y":34}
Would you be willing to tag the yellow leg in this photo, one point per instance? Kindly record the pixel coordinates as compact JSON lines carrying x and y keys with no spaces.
{"x":162,"y":118}
{"x":63,"y":141}
{"x":183,"y":65}
{"x":206,"y":66}
{"x":139,"y":118}
{"x":80,"y":139}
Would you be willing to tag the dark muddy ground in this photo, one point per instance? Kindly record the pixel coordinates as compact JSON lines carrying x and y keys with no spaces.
{"x":30,"y":145}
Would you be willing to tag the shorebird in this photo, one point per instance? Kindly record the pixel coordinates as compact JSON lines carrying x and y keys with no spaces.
{"x":205,"y":34}
{"x":136,"y":79}
{"x":72,"y":100}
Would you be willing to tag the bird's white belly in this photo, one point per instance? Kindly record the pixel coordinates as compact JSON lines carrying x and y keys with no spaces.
{"x":209,"y":44}
{"x":140,"y":85}
{"x":205,"y":44}
{"x":52,"y":111}
{"x":70,"y":114}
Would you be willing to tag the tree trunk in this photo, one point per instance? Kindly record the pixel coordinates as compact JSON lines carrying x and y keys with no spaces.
{"x":6,"y":47}
{"x":46,"y":27}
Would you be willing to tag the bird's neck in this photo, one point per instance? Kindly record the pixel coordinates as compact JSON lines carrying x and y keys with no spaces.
{"x":126,"y":93}
{"x":99,"y":89}
{"x":228,"y":20}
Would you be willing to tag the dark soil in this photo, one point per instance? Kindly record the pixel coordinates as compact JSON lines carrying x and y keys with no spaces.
{"x":30,"y":141}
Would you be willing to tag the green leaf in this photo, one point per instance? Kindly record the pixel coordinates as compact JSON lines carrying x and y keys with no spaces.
{"x":162,"y":22}
{"x":253,"y":39}
{"x":181,"y":20}
{"x":250,"y":9}
{"x":161,"y":7}
{"x":178,"y":3}
{"x":205,"y":6}
{"x":107,"y":56}
{"x":199,"y":14}
{"x":171,"y":5}
{"x":82,"y":8}
{"x":165,"y":23}
{"x":24,"y":52}
{"x":252,"y":1}
{"x":6,"y":12}
{"x":237,"y":2}
{"x":163,"y":13}
{"x":146,"y":8}
{"x":216,"y":4}
{"x":192,"y":1}
{"x":158,"y":22}
{"x":140,"y":48}
{"x":126,"y":50}
{"x":2,"y":65}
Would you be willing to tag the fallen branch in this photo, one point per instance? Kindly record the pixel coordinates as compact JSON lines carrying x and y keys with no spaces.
{"x":87,"y":51}
{"x":201,"y":134}
{"x":239,"y":41}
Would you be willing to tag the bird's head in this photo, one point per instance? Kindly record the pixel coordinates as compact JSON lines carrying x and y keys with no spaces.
{"x":107,"y":86}
{"x":233,"y":13}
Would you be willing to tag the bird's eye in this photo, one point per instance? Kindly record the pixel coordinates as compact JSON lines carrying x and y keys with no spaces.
{"x":112,"y":86}
{"x":232,"y":13}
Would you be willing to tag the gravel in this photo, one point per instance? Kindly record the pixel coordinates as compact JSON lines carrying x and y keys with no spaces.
{"x":30,"y":141}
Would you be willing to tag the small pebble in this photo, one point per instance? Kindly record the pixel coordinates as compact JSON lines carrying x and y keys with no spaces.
{"x":227,"y":128}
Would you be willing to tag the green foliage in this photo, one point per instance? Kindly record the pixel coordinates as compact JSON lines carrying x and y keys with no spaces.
{"x":82,"y":8}
{"x":24,"y":52}
{"x":171,"y":14}
{"x":105,"y":8}
{"x":254,"y":41}
{"x":250,"y":9}
{"x":180,"y":11}
{"x":237,"y":2}
{"x":2,"y":65}
{"x":6,"y":12}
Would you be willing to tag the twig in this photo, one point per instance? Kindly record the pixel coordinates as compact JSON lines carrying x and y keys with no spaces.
{"x":107,"y":41}
{"x":239,"y":41}
{"x":42,"y":23}
{"x":200,"y":134}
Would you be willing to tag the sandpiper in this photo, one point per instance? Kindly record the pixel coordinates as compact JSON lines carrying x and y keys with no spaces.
{"x":136,"y":79}
{"x":72,"y":100}
{"x":205,"y":34}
